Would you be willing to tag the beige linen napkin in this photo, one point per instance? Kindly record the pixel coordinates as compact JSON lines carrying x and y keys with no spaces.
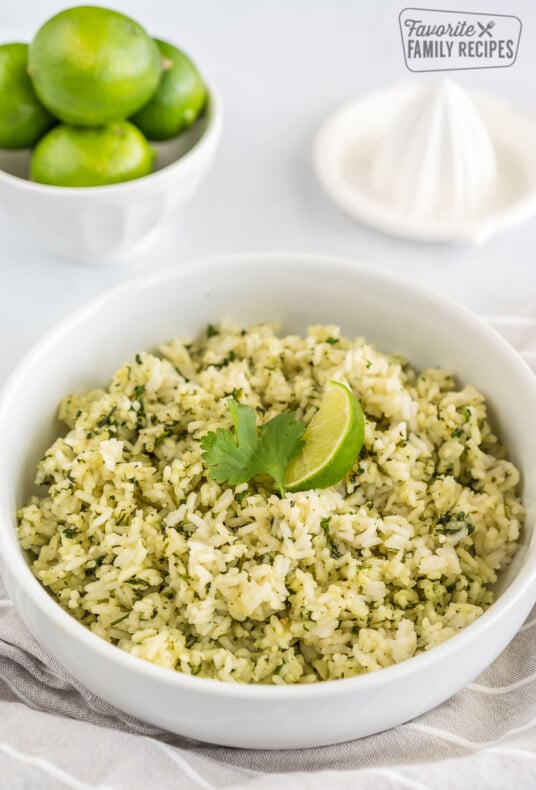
{"x":56,"y":734}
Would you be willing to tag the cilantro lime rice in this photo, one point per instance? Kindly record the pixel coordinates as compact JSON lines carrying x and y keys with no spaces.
{"x":135,"y":539}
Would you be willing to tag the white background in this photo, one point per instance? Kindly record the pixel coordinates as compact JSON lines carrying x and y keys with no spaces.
{"x":280,"y":65}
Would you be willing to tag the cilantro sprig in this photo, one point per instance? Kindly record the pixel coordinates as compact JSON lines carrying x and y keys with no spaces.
{"x":235,"y":456}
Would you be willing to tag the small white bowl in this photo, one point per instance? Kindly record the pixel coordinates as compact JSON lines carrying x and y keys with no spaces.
{"x":401,"y":317}
{"x":102,"y":225}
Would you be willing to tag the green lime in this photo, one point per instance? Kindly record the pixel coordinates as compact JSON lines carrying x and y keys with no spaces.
{"x":70,"y":156}
{"x":180,"y":97}
{"x":332,"y":439}
{"x":90,"y":65}
{"x":23,"y":119}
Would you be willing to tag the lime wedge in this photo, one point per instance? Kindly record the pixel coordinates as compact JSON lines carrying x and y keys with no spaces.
{"x":332,"y":441}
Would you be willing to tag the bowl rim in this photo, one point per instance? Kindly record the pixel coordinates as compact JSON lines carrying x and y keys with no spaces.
{"x":11,"y":553}
{"x":209,"y":138}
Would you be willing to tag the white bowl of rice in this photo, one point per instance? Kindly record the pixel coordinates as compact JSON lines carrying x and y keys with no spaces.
{"x":232,"y":613}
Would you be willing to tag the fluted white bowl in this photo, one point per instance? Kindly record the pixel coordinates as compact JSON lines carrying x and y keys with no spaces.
{"x":107,"y":224}
{"x":400,"y":317}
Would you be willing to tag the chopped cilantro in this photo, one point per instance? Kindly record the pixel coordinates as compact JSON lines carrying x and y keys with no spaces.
{"x":456,"y":433}
{"x":225,"y":361}
{"x":106,"y":419}
{"x":324,"y":523}
{"x":333,"y":548}
{"x":120,"y":619}
{"x":452,"y":523}
{"x":70,"y":532}
{"x":164,"y":435}
{"x":466,"y":413}
{"x":331,"y":340}
{"x":138,"y":359}
{"x":212,"y":331}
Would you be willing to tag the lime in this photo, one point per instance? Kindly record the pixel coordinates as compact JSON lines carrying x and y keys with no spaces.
{"x":180,"y":97}
{"x":71,"y":156}
{"x":23,"y":119}
{"x":90,"y":65}
{"x":332,"y":439}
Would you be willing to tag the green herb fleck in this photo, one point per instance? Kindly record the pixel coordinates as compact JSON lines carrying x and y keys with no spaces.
{"x":333,"y":548}
{"x":70,"y":532}
{"x":332,"y":340}
{"x":120,"y":619}
{"x":106,"y":419}
{"x":452,"y":523}
{"x":123,"y":519}
{"x":456,"y":433}
{"x":225,"y":361}
{"x":164,"y":435}
{"x":212,"y":331}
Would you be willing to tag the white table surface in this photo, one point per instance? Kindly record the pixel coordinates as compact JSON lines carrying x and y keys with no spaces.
{"x":280,"y":66}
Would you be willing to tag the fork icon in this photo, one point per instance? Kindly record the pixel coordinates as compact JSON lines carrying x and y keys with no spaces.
{"x":486,"y":28}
